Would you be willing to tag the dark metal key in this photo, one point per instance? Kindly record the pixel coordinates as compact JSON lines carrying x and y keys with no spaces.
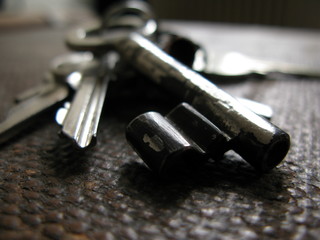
{"x":258,"y":141}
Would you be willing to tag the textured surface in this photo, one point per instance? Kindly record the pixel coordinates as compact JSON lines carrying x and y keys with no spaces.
{"x":48,"y":193}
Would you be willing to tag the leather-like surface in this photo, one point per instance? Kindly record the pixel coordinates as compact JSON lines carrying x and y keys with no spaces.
{"x":50,"y":192}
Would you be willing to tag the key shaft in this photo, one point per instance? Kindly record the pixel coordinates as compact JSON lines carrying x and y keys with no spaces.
{"x":82,"y":118}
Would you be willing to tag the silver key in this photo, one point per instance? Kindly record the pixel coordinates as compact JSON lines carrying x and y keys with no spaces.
{"x":80,"y":119}
{"x":31,"y":105}
{"x":49,"y":94}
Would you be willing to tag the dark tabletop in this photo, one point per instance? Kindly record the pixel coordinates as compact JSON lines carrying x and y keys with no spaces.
{"x":47,"y":192}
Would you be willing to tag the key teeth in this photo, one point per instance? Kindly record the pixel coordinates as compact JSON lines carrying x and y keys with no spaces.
{"x":167,"y":144}
{"x":160,"y":144}
{"x":198,"y":128}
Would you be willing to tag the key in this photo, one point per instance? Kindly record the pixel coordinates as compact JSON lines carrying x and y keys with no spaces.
{"x":80,"y":118}
{"x":170,"y":144}
{"x":258,"y":141}
{"x":29,"y":106}
{"x":46,"y":96}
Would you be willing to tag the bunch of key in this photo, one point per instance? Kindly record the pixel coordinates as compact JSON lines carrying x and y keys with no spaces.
{"x":206,"y":124}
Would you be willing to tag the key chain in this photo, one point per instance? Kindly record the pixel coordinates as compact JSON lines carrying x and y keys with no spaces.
{"x":258,"y":141}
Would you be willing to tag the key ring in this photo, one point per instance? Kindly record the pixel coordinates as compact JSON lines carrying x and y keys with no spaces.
{"x":131,"y":15}
{"x":119,"y":21}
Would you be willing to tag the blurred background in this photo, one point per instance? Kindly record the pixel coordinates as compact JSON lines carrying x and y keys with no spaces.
{"x":292,"y":13}
{"x":289,"y":13}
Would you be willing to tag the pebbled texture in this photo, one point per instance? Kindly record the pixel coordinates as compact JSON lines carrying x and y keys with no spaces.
{"x":49,"y":192}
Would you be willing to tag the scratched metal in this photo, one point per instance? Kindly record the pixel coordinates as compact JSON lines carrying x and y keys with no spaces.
{"x":259,"y":142}
{"x":109,"y":194}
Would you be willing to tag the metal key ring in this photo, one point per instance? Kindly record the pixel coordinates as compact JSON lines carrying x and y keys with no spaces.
{"x":118,"y":23}
{"x":132,"y":15}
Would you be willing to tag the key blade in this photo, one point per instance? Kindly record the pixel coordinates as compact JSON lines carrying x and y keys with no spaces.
{"x":22,"y":114}
{"x":81,"y":121}
{"x":36,"y":90}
